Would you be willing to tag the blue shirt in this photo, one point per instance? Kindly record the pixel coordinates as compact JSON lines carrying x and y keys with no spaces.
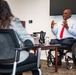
{"x":20,"y":31}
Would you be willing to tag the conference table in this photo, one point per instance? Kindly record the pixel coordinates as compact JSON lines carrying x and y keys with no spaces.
{"x":48,"y":47}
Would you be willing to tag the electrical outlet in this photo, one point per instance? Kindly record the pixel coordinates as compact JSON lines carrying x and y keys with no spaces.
{"x":30,"y":21}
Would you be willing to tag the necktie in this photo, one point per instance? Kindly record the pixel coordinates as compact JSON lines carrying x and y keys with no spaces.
{"x":62,"y":31}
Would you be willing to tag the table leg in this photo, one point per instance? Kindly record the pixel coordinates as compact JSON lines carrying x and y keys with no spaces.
{"x":56,"y":59}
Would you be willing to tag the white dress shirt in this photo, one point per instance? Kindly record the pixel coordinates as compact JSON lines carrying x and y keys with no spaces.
{"x":70,"y":32}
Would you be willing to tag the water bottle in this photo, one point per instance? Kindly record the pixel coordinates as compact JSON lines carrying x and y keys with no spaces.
{"x":47,"y":41}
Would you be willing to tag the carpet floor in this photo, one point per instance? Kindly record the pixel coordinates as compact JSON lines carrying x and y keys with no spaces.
{"x":62,"y":70}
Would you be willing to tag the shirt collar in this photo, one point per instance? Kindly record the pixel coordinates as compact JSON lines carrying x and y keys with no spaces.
{"x":68,"y":19}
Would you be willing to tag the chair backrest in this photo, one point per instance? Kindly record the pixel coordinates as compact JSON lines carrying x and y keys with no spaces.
{"x":8,"y":45}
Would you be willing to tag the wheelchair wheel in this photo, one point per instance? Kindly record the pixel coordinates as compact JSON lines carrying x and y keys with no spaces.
{"x":74,"y":58}
{"x":74,"y":53}
{"x":49,"y":64}
{"x":69,"y":66}
{"x":50,"y":59}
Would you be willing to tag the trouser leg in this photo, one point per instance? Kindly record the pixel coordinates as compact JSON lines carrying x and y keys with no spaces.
{"x":67,"y":42}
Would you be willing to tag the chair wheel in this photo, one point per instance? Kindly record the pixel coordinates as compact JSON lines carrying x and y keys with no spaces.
{"x":69,"y":66}
{"x":49,"y":64}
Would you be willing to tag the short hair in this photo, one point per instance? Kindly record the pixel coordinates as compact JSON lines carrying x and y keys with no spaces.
{"x":69,"y":10}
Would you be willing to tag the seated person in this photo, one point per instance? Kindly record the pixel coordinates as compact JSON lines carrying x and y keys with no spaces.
{"x":8,"y":21}
{"x":64,"y":30}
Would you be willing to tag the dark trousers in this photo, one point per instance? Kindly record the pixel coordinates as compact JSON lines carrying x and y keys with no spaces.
{"x":31,"y":59}
{"x":65,"y":41}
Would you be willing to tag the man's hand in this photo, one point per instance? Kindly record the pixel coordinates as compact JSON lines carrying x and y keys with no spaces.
{"x":52,"y":24}
{"x":65,"y":24}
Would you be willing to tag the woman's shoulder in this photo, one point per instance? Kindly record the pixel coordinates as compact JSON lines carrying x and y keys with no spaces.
{"x":15,"y":22}
{"x":14,"y":19}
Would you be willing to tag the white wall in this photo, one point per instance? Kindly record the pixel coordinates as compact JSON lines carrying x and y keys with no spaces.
{"x":38,"y":11}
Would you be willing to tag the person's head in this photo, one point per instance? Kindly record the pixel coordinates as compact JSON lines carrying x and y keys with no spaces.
{"x":5,"y":14}
{"x":67,"y":14}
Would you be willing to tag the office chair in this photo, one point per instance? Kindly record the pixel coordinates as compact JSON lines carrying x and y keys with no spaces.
{"x":71,"y":49}
{"x":9,"y":53}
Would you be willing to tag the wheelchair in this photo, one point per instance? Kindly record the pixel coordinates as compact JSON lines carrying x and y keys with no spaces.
{"x":71,"y":49}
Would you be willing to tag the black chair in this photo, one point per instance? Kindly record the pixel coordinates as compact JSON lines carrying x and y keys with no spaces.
{"x":71,"y":49}
{"x":9,"y":53}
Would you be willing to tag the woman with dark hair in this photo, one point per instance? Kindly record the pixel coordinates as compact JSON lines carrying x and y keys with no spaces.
{"x":7,"y":20}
